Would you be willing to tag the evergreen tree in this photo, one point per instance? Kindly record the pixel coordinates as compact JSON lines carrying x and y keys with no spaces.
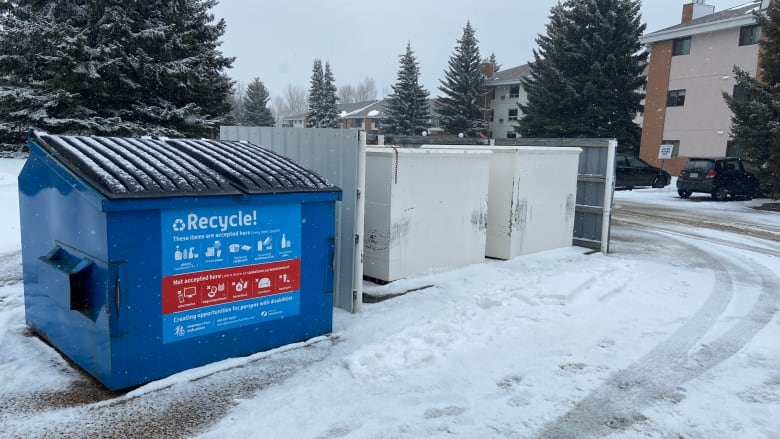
{"x":323,"y":112}
{"x":255,"y":106}
{"x":314,"y":116}
{"x":330,"y":100}
{"x":755,"y":123}
{"x":112,"y":68}
{"x":186,"y":89}
{"x":587,"y":74}
{"x":407,"y":107}
{"x":463,"y":88}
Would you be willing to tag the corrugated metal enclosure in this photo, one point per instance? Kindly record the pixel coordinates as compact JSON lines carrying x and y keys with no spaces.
{"x":339,"y":156}
{"x":595,"y":186}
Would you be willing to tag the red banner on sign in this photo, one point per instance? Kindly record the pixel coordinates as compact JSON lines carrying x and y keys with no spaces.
{"x":206,"y":288}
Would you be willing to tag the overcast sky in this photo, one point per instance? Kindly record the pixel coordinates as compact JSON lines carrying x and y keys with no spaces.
{"x":278,"y":40}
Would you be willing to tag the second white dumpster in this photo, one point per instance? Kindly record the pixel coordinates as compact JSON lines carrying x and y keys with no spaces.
{"x":531,"y":199}
{"x":425,"y":209}
{"x":533,"y":193}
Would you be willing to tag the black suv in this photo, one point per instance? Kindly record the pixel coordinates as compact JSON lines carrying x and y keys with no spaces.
{"x":631,"y":171}
{"x":721,"y":177}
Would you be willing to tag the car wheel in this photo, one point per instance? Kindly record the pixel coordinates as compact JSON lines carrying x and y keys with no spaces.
{"x":659,"y":181}
{"x":684,"y":193}
{"x":720,"y":194}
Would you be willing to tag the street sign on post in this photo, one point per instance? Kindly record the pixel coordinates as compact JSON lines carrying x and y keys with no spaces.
{"x":665,"y":152}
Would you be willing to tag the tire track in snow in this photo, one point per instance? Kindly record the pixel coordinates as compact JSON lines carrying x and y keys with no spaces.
{"x":722,"y":221}
{"x":616,"y":405}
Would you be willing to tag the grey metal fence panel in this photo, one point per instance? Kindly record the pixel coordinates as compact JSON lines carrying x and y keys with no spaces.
{"x":334,"y":154}
{"x":595,"y":186}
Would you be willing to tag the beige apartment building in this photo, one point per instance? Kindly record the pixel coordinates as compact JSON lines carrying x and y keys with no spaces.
{"x":691,"y":66}
{"x":505,"y":92}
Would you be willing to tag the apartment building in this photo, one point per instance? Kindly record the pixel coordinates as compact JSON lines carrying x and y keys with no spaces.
{"x":690,"y":67}
{"x":505,"y":92}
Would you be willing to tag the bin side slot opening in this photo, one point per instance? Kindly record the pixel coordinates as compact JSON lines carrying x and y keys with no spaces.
{"x":80,"y":279}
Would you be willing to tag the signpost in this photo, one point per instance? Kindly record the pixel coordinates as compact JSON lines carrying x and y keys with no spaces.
{"x":665,"y":152}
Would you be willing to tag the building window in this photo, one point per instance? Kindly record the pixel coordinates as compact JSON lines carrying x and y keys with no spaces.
{"x":732,"y":150}
{"x":675,"y":98}
{"x":681,"y":46}
{"x":512,"y":114}
{"x":356,"y":123}
{"x":492,"y":114}
{"x":511,"y":135}
{"x":749,"y":35}
{"x":514,"y":91}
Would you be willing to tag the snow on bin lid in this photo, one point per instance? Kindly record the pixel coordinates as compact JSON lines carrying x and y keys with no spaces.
{"x":147,"y":168}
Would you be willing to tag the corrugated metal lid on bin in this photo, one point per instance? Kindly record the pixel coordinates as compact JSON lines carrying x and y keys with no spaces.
{"x":149,"y":168}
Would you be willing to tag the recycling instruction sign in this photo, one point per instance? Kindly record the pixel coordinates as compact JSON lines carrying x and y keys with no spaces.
{"x":228,"y":267}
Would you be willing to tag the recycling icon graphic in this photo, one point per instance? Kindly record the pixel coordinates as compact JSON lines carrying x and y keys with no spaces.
{"x":178,"y":225}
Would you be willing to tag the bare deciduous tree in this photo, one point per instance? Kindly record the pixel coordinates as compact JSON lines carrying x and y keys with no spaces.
{"x":347,"y":94}
{"x":296,"y":99}
{"x":366,"y":90}
{"x":237,"y":103}
{"x":278,"y":107}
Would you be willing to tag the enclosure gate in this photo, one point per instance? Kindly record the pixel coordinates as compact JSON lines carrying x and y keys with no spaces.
{"x":339,"y":156}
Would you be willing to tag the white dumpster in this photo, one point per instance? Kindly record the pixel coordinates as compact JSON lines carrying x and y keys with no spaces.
{"x":425,"y":209}
{"x":531,"y":199}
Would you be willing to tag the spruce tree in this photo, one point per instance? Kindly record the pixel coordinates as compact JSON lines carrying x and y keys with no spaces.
{"x":406,"y":109}
{"x":314,"y":116}
{"x":755,"y":123}
{"x":323,"y":112}
{"x":329,"y":99}
{"x":463,"y":88}
{"x":588,"y":73}
{"x":112,"y":68}
{"x":255,"y":111}
{"x":186,"y":88}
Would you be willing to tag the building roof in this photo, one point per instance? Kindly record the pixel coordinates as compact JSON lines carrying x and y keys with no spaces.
{"x":737,"y":16}
{"x":353,"y":110}
{"x":362,"y":110}
{"x":508,"y":76}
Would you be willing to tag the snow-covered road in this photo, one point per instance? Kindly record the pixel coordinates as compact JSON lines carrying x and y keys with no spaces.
{"x":742,"y":301}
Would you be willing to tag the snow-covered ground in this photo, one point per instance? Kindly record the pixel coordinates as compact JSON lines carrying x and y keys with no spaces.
{"x":673,"y":335}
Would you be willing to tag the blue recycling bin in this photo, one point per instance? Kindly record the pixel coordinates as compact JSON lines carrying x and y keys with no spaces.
{"x":147,"y":257}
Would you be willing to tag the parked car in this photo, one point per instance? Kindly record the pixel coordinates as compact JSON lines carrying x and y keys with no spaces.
{"x":631,"y":171}
{"x":721,"y":177}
